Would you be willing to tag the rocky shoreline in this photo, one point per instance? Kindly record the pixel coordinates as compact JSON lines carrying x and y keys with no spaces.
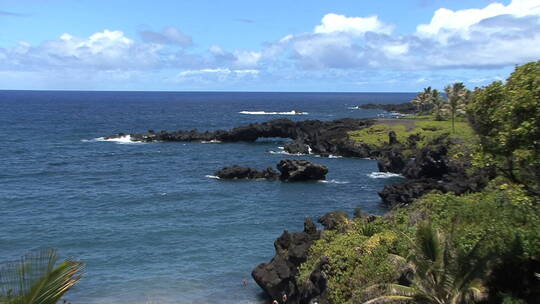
{"x":427,"y":168}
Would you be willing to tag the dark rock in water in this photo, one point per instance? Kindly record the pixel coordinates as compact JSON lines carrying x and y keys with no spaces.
{"x":405,"y":108}
{"x":404,"y":193}
{"x":429,"y":162}
{"x":301,"y":170}
{"x":241,"y":172}
{"x":324,"y":137}
{"x":334,"y":220}
{"x":278,"y":276}
{"x":392,"y":161}
{"x":291,"y":171}
{"x":296,"y":147}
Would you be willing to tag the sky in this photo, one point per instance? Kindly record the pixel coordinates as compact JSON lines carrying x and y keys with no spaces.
{"x":238,"y":45}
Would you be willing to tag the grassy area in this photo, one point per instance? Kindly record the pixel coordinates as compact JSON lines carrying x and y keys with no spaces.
{"x":377,"y":135}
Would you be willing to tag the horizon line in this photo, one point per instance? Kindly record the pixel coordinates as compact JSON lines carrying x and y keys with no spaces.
{"x":208,"y":91}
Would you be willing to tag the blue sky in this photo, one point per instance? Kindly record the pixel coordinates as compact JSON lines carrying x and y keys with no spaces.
{"x":263,"y":45}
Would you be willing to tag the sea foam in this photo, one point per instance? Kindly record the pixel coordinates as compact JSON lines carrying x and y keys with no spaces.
{"x":273,"y":113}
{"x":126,"y":139}
{"x":383,"y":175}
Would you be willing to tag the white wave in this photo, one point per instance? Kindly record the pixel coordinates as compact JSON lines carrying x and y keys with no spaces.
{"x":213,"y":141}
{"x":281,"y":148}
{"x":126,"y":139}
{"x":293,"y":112}
{"x":333,"y":181}
{"x":383,"y":175}
{"x":285,"y":153}
{"x":334,"y":156}
{"x":212,"y":176}
{"x":354,"y":108}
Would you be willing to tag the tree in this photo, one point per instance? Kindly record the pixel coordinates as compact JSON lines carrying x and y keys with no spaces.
{"x":423,"y":100}
{"x":439,"y":273}
{"x":438,"y":104}
{"x":35,"y":279}
{"x":507,"y":119}
{"x":458,"y":97}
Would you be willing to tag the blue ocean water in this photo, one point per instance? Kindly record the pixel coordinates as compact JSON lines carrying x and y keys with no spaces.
{"x":145,"y":218}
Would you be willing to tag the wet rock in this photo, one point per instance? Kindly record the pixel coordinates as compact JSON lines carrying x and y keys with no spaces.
{"x":429,"y":162}
{"x":404,"y":193}
{"x":323,"y":137}
{"x":301,"y":170}
{"x":241,"y":172}
{"x":278,"y":276}
{"x":392,"y":161}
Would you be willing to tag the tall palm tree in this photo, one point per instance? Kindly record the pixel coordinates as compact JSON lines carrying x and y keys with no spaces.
{"x":36,"y":280}
{"x":438,"y":104}
{"x":439,"y":275}
{"x":457,"y":97}
{"x":423,"y":99}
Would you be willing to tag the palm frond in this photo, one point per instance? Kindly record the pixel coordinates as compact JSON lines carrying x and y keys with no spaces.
{"x":35,"y":279}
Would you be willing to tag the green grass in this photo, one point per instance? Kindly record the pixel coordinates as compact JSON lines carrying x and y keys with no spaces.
{"x":377,"y":135}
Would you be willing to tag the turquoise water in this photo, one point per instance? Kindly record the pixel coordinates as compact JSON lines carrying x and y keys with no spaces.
{"x":145,"y":218}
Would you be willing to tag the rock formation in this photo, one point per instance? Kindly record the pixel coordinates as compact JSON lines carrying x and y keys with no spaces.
{"x":291,"y":171}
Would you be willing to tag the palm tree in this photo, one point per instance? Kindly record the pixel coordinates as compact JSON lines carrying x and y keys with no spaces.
{"x":36,"y":280}
{"x":438,"y":104}
{"x":439,"y":275}
{"x":457,"y":98}
{"x":423,"y":99}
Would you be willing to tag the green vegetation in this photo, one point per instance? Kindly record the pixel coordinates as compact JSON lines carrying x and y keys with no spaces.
{"x":438,"y":273}
{"x":507,"y":118}
{"x":36,"y":280}
{"x":424,"y":131}
{"x":481,"y":227}
{"x":477,"y":247}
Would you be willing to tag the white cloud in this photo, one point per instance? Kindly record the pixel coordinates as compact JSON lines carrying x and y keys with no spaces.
{"x":334,"y":23}
{"x":447,"y":23}
{"x":494,"y":36}
{"x":217,"y":74}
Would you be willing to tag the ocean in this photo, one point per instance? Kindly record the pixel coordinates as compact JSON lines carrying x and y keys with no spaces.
{"x":150,"y":223}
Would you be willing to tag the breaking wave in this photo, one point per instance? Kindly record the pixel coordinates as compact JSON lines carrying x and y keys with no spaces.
{"x":293,"y":112}
{"x":126,"y":139}
{"x":383,"y":175}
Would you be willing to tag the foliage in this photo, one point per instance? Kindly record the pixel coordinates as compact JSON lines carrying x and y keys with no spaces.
{"x":357,"y":257}
{"x":427,"y":130}
{"x":507,"y":118}
{"x":36,"y":280}
{"x":439,"y":274}
{"x":458,"y":97}
{"x":365,"y":254}
{"x":424,"y":100}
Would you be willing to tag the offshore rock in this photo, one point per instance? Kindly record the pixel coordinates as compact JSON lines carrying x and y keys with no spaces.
{"x":278,"y":277}
{"x":241,"y":172}
{"x":301,"y":170}
{"x":291,"y":171}
{"x":322,"y":137}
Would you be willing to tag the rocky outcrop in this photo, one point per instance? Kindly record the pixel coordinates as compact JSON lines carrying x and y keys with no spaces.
{"x":241,"y":172}
{"x":405,"y":108}
{"x":291,"y":171}
{"x":301,"y":170}
{"x":320,"y":137}
{"x":430,"y":168}
{"x":278,"y":276}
